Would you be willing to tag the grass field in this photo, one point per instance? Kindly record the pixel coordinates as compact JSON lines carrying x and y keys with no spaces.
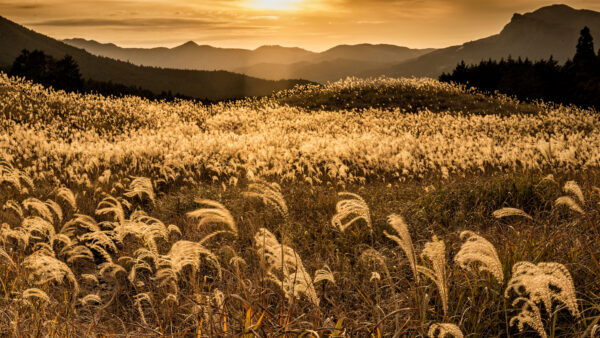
{"x":361,"y":208}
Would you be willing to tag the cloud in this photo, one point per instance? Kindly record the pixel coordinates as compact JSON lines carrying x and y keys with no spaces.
{"x":144,"y":23}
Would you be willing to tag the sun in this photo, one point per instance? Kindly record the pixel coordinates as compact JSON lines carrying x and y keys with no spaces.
{"x":273,"y":4}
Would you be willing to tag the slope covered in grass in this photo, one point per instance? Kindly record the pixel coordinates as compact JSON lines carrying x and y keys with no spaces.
{"x":152,"y":218}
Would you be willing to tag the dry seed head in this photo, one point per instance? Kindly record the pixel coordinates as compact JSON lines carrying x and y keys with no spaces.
{"x":270,"y":194}
{"x":44,"y":269}
{"x":404,"y":241}
{"x":215,"y":213}
{"x":39,"y":207}
{"x":435,"y":252}
{"x":375,"y":276}
{"x":571,"y":187}
{"x":530,"y":315}
{"x":477,"y":249}
{"x":354,"y":206}
{"x":570,"y":203}
{"x":443,"y":330}
{"x":508,"y":212}
{"x":139,"y":187}
{"x":324,"y":274}
{"x":545,"y":283}
{"x":35,"y":293}
{"x":67,"y":195}
{"x":14,"y":206}
{"x":283,"y":260}
{"x":90,"y":300}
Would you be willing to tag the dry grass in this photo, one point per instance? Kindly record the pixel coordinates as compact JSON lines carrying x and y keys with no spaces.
{"x":132,"y":243}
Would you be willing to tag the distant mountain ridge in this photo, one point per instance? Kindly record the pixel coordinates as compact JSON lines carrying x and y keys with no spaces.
{"x":548,"y":31}
{"x":200,"y":84}
{"x":270,"y":62}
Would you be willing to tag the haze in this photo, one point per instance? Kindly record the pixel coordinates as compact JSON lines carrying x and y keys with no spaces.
{"x":311,"y":24}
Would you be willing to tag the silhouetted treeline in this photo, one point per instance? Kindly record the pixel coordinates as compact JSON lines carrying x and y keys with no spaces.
{"x":577,"y":81}
{"x":64,"y":75}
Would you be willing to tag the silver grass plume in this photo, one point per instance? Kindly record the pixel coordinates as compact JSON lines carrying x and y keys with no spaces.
{"x":354,"y":206}
{"x":110,"y":205}
{"x":15,"y":207}
{"x":139,"y":187}
{"x":435,"y":252}
{"x":91,"y":299}
{"x":44,"y":269}
{"x":324,"y":274}
{"x":569,"y":203}
{"x":508,"y":212}
{"x":284,"y":260}
{"x":477,"y":249}
{"x":545,"y":283}
{"x":442,"y":330}
{"x":39,"y":207}
{"x":182,"y":254}
{"x":403,"y":240}
{"x":215,"y":212}
{"x":67,"y":195}
{"x":572,"y":188}
{"x":15,"y":177}
{"x":270,"y":194}
{"x":530,"y":315}
{"x":35,"y":293}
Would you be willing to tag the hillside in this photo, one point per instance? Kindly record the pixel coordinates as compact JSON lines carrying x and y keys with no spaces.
{"x":201,"y":84}
{"x":268,"y":62}
{"x":551,"y":30}
{"x":323,"y":209}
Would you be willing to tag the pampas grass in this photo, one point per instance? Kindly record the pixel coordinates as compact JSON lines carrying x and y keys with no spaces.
{"x":140,"y":187}
{"x":509,"y":212}
{"x":529,"y":314}
{"x":435,"y":252}
{"x":270,"y":194}
{"x":281,"y":260}
{"x":404,"y":241}
{"x":443,"y":330}
{"x":478,"y":250}
{"x":216,"y":213}
{"x":352,"y":209}
{"x":543,"y":283}
{"x":46,"y":269}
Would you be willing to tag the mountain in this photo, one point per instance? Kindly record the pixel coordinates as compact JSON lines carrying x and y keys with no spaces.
{"x":551,"y":30}
{"x":201,"y":84}
{"x":269,"y":62}
{"x":193,"y":56}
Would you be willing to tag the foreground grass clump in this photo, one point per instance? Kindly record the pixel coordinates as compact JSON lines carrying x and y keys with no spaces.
{"x":262,"y":219}
{"x":273,"y":260}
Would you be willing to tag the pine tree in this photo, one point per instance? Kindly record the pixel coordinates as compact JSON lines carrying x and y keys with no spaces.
{"x":585,"y":47}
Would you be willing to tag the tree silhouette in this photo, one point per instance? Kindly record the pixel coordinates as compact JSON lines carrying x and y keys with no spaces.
{"x":41,"y":68}
{"x":577,"y":81}
{"x":585,"y":47}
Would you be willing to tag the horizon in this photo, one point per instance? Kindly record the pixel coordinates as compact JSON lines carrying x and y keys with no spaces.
{"x":250,"y":24}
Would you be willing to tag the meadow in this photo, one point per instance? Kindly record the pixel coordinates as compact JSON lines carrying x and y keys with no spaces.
{"x":361,"y":208}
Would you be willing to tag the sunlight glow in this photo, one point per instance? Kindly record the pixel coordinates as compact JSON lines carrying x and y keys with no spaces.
{"x":273,"y":4}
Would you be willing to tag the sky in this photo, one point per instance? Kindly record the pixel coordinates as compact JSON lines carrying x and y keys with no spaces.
{"x":312,"y":24}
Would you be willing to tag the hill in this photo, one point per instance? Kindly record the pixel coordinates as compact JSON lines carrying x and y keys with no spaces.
{"x":201,"y":84}
{"x":551,"y":30}
{"x":269,"y":62}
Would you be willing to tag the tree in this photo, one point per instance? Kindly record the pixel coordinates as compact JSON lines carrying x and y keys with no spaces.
{"x":585,"y":47}
{"x":41,"y":68}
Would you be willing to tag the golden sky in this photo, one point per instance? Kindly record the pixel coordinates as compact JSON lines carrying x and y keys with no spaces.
{"x":311,"y":24}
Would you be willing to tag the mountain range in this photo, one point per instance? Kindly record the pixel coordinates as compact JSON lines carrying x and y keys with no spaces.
{"x":548,"y":31}
{"x":551,"y":30}
{"x":209,"y":72}
{"x":212,"y":85}
{"x":268,"y":62}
